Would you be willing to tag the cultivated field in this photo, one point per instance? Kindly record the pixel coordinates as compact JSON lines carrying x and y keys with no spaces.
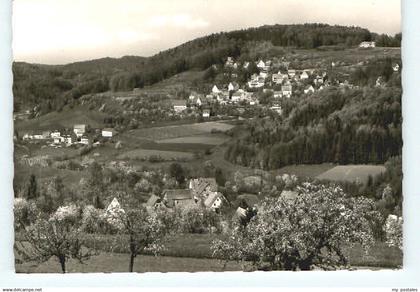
{"x":307,"y":170}
{"x":147,"y":153}
{"x":352,"y":173}
{"x":63,"y":119}
{"x":197,"y":139}
{"x":177,"y":131}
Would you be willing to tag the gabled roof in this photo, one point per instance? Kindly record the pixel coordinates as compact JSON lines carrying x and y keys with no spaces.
{"x":179,"y":102}
{"x":178,"y":194}
{"x":198,"y":185}
{"x":80,"y":127}
{"x":211,"y":198}
{"x":152,"y":200}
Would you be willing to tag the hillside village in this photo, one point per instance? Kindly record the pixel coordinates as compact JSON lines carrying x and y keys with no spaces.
{"x":206,"y":150}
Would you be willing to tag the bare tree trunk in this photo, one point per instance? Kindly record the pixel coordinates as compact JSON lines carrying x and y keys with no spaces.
{"x":62,"y":260}
{"x":130,"y":267}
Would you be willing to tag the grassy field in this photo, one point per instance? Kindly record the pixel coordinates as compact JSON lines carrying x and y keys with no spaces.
{"x":352,"y":173}
{"x":176,"y":131}
{"x":64,"y":119}
{"x":147,"y":153}
{"x":308,"y":170}
{"x":118,"y":263}
{"x":213,"y":139}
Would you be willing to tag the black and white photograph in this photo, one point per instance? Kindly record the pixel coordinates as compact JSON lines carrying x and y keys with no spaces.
{"x":207,"y":136}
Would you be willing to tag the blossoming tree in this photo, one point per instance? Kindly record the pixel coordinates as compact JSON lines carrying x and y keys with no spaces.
{"x":302,"y":232}
{"x":59,"y":236}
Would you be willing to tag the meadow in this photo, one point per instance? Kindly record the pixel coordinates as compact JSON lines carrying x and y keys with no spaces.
{"x":352,"y":173}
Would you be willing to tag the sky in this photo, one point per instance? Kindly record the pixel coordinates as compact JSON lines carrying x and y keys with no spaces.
{"x":64,"y":31}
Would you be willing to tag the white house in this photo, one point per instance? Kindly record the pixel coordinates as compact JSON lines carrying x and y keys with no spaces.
{"x":107,"y":132}
{"x":68,"y":140}
{"x":396,"y":68}
{"x":233,"y":86}
{"x":367,"y":45}
{"x":261,"y":64}
{"x":277,"y":94}
{"x":291,"y":73}
{"x":55,"y":134}
{"x":277,"y":109}
{"x":79,"y":130}
{"x":263,"y":74}
{"x":215,"y":89}
{"x":256,"y":83}
{"x":277,"y":78}
{"x":206,"y":113}
{"x":286,"y":90}
{"x":304,"y":75}
{"x":309,"y":89}
{"x":179,"y":105}
{"x":84,"y":141}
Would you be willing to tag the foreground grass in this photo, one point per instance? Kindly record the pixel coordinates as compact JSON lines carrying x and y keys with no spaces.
{"x":118,"y":263}
{"x":190,"y":253}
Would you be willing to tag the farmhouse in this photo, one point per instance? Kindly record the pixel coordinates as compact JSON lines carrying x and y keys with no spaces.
{"x":396,"y":67}
{"x":214,"y":201}
{"x":107,"y":132}
{"x":178,"y":198}
{"x":367,"y":45}
{"x":304,"y":75}
{"x":153,"y":201}
{"x":179,"y":105}
{"x":202,"y":187}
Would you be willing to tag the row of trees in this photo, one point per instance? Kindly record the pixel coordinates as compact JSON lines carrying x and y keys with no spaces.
{"x":314,"y":229}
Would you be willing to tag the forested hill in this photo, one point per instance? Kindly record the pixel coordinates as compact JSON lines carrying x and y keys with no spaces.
{"x":361,"y":125}
{"x":52,"y":87}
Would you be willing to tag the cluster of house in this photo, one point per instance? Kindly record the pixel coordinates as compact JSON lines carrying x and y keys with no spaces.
{"x":67,"y":137}
{"x":200,"y":192}
{"x":274,"y":75}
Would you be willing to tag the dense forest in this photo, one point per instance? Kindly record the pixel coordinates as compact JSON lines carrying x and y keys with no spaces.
{"x":52,"y":87}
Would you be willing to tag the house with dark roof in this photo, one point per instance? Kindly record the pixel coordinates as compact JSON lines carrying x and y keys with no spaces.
{"x":179,"y":105}
{"x":178,"y":198}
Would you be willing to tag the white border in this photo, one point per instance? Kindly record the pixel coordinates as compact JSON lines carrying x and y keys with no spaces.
{"x":408,"y":277}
